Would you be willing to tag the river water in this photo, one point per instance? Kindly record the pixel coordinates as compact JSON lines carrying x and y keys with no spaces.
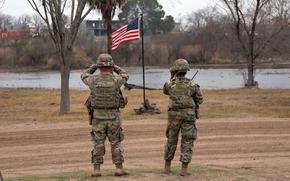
{"x":155,"y":78}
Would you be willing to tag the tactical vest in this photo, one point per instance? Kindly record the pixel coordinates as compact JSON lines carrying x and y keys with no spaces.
{"x":105,"y":92}
{"x":180,"y":94}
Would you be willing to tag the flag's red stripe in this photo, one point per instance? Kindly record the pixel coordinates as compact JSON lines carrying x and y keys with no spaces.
{"x":131,"y":40}
{"x":124,"y":35}
{"x":136,"y":36}
{"x":127,"y":36}
{"x":125,"y":40}
{"x":120,"y":29}
{"x":120,"y":33}
{"x":129,"y":32}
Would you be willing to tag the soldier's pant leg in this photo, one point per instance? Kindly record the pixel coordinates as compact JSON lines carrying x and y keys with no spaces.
{"x":188,"y":136}
{"x":172,"y":133}
{"x":115,"y":135}
{"x":98,"y":137}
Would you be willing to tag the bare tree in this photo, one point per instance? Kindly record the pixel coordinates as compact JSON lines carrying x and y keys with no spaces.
{"x":63,"y":36}
{"x":6,"y":22}
{"x":248,"y":17}
{"x":200,"y":18}
{"x":23,"y":22}
{"x":37,"y":21}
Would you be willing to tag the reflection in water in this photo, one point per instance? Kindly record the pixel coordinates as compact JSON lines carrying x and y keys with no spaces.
{"x":155,"y":78}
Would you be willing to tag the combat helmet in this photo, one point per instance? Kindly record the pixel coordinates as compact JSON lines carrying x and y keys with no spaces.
{"x":180,"y":65}
{"x":105,"y":60}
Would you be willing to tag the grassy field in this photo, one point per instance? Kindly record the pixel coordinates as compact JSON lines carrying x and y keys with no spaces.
{"x":200,"y":173}
{"x":43,"y":105}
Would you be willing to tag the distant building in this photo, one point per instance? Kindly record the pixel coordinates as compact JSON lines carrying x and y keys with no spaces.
{"x":177,"y":28}
{"x":34,"y":32}
{"x":13,"y":36}
{"x":99,"y":27}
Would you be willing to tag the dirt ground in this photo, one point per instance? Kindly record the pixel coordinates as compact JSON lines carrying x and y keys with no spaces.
{"x":258,"y":148}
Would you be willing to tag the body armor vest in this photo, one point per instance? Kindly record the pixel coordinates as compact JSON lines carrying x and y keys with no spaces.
{"x":180,"y":94}
{"x":104,"y":92}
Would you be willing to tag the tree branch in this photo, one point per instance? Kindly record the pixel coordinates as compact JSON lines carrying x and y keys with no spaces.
{"x":238,"y":28}
{"x":72,"y":12}
{"x":63,"y":7}
{"x":35,"y":8}
{"x":266,"y":42}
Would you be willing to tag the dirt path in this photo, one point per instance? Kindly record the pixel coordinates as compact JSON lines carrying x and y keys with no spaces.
{"x":256,"y":147}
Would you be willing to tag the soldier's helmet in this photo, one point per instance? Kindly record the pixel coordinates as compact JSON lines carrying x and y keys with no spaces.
{"x":105,"y":60}
{"x":180,"y":65}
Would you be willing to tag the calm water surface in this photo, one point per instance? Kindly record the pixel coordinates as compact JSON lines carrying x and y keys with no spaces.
{"x":155,"y":78}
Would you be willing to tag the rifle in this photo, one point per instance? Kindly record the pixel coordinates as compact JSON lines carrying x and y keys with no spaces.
{"x":197,"y":106}
{"x":133,"y":86}
{"x":90,"y":110}
{"x":194,"y":75}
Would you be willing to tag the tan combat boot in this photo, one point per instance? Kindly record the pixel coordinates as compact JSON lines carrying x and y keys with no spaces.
{"x":97,"y":170}
{"x":120,"y":170}
{"x":167,"y":167}
{"x":184,"y":171}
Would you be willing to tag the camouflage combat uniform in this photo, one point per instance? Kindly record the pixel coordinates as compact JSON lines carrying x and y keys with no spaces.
{"x":105,"y":100}
{"x":185,"y":97}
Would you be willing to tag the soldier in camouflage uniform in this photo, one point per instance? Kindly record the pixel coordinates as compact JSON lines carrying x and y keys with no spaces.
{"x":105,"y":100}
{"x":185,"y":98}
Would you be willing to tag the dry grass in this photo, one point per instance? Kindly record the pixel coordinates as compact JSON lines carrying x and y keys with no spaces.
{"x":198,"y":173}
{"x":43,"y":105}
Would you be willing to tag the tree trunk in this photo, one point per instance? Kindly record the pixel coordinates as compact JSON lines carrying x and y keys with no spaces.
{"x":251,"y":81}
{"x":65,"y":98}
{"x":109,"y":35}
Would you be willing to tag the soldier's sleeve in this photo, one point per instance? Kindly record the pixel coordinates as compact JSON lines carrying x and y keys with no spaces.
{"x":86,"y":76}
{"x":165,"y":88}
{"x":197,"y":95}
{"x":123,"y":75}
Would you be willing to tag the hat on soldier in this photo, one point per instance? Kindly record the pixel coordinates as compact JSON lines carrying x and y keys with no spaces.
{"x":105,"y":60}
{"x":180,"y":65}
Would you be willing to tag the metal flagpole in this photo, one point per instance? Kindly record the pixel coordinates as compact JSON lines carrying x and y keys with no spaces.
{"x":143,"y":64}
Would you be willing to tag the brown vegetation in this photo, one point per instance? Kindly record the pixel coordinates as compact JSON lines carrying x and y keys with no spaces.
{"x":41,"y":105}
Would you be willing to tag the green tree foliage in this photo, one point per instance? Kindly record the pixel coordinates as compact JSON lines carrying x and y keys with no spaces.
{"x":154,"y":21}
{"x":167,"y":24}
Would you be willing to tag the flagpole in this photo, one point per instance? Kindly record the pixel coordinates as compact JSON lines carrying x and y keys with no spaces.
{"x":143,"y":64}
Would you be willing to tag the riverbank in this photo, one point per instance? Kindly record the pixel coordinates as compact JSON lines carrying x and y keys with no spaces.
{"x":284,"y":65}
{"x":155,"y":78}
{"x":243,"y":66}
{"x":43,"y":105}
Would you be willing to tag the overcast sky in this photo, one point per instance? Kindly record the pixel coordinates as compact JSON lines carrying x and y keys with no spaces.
{"x":176,"y":8}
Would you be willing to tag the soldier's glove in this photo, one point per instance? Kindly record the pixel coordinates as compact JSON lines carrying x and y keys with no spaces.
{"x":93,"y":68}
{"x":117,"y":69}
{"x":124,"y":76}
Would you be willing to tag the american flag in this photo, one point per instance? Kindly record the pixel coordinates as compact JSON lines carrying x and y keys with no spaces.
{"x":127,"y":33}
